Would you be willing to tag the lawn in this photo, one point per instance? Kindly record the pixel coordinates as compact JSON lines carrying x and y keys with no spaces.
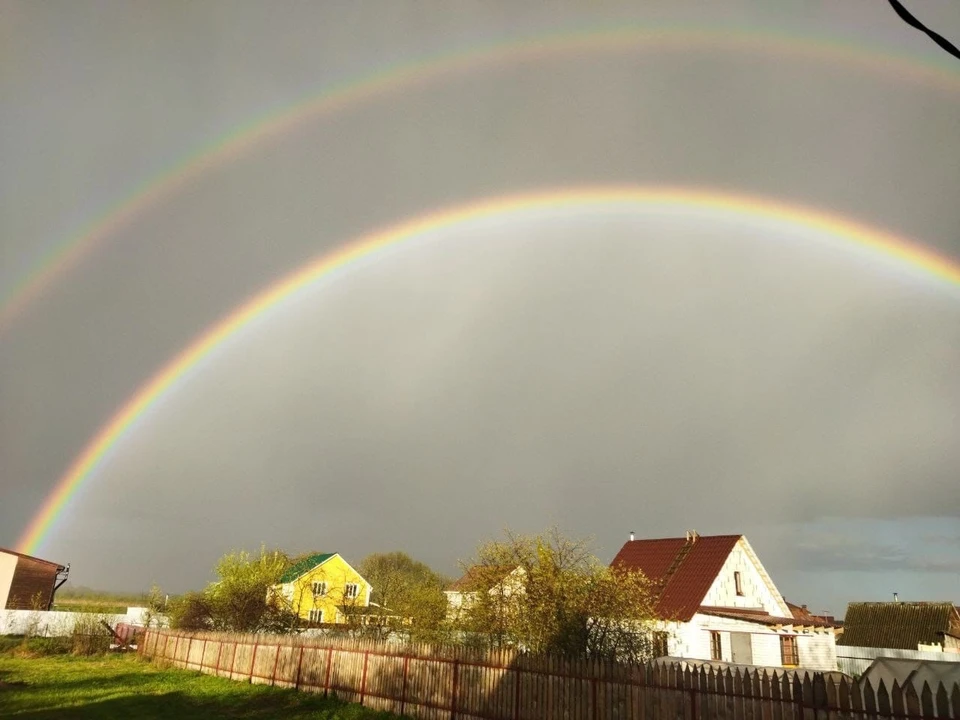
{"x":122,"y":686}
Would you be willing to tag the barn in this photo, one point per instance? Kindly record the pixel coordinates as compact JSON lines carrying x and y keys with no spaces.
{"x":27,"y":582}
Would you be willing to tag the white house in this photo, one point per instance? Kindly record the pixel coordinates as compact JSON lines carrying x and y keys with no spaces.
{"x":461,"y":593}
{"x":717,"y":603}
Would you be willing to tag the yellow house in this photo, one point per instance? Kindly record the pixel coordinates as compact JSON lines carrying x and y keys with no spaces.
{"x":324,"y":588}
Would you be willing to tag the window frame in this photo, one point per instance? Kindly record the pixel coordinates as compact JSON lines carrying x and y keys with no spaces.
{"x":738,"y":583}
{"x":789,"y":641}
{"x":323,"y":588}
{"x":347,"y":595}
{"x":716,"y":646}
{"x":316,"y":615}
{"x":661,"y":643}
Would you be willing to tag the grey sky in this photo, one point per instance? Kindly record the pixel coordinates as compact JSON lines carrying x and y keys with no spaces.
{"x":639,"y":374}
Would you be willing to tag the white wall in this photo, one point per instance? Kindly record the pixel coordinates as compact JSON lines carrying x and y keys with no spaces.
{"x":59,"y":624}
{"x":818,"y":651}
{"x":8,"y":565}
{"x":754,"y":581}
{"x":855,"y":660}
{"x":692,"y":640}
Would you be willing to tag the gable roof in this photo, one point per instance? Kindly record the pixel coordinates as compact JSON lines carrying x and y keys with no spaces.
{"x":681,"y":569}
{"x":475,"y":576}
{"x":304,"y":566}
{"x":900,"y":625}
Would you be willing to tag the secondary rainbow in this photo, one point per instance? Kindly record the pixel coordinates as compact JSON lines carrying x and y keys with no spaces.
{"x":86,"y":464}
{"x":396,"y":78}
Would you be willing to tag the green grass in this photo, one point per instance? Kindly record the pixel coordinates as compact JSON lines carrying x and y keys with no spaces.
{"x":122,"y":686}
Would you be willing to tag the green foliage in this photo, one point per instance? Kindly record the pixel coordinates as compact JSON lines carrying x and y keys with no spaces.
{"x":240,"y":600}
{"x":120,"y":686}
{"x":548,"y":593}
{"x":191,"y":611}
{"x":407,"y":595}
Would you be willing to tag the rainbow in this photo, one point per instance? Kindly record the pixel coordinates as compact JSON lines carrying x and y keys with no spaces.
{"x":86,"y":464}
{"x":397,"y":78}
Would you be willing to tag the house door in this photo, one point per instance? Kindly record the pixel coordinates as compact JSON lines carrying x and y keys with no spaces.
{"x":740,"y":648}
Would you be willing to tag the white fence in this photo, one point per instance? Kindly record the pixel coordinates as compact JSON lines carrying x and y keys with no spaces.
{"x":53,"y":623}
{"x":855,"y":660}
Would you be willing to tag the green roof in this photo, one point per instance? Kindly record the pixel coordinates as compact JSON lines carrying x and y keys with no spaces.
{"x":305,"y":566}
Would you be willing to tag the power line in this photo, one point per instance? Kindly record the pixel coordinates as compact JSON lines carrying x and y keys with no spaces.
{"x":913,"y":22}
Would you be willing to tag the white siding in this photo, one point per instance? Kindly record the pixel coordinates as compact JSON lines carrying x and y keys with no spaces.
{"x":758,"y":588}
{"x":8,"y":564}
{"x":692,"y":640}
{"x":818,"y":651}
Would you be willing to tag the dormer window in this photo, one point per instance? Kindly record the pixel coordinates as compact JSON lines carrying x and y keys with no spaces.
{"x":737,"y":583}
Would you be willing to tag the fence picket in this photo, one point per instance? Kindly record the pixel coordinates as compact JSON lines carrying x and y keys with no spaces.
{"x":943,"y":702}
{"x":449,"y":682}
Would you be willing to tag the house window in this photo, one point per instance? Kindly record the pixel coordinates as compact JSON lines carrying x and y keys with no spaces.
{"x":316,"y":616}
{"x":319,"y":588}
{"x":788,"y":651}
{"x":737,"y":583}
{"x":716,"y":649}
{"x":351,"y":591}
{"x":660,"y":644}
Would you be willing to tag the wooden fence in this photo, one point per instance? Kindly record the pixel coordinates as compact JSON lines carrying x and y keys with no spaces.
{"x":461,"y":684}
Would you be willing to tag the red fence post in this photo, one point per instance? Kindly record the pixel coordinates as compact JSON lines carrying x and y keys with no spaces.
{"x":456,"y":682}
{"x":326,"y":678}
{"x":363,"y":679}
{"x":276,"y":661}
{"x":203,"y":653}
{"x":253,"y":662}
{"x":186,"y":662}
{"x":219,"y":653}
{"x":403,"y":688}
{"x":296,"y":681}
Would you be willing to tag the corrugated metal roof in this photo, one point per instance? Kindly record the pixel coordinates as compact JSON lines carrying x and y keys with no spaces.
{"x":305,"y":566}
{"x":901,"y":625}
{"x":682,"y":570}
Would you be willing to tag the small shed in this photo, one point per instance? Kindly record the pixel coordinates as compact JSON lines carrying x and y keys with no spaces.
{"x":27,"y":582}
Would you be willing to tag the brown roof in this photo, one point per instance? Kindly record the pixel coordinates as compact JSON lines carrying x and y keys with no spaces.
{"x":763,"y":617}
{"x":901,"y":625}
{"x":476,"y":575}
{"x":31,"y":557}
{"x":682,"y":570}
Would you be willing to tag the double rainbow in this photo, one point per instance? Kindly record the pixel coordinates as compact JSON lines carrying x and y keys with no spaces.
{"x":91,"y":459}
{"x":434,"y":69}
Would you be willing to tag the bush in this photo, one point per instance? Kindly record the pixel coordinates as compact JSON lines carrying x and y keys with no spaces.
{"x":89,"y":636}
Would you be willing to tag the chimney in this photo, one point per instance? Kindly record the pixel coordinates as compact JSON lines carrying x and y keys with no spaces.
{"x":692,"y":536}
{"x":631,"y":536}
{"x":895,"y":598}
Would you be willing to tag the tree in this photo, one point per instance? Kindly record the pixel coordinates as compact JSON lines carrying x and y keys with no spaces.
{"x":407,"y":595}
{"x":241,"y":599}
{"x":549,"y":593}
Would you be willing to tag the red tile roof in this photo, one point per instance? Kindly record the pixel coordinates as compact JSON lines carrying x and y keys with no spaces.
{"x":478,"y":575}
{"x":682,"y":571}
